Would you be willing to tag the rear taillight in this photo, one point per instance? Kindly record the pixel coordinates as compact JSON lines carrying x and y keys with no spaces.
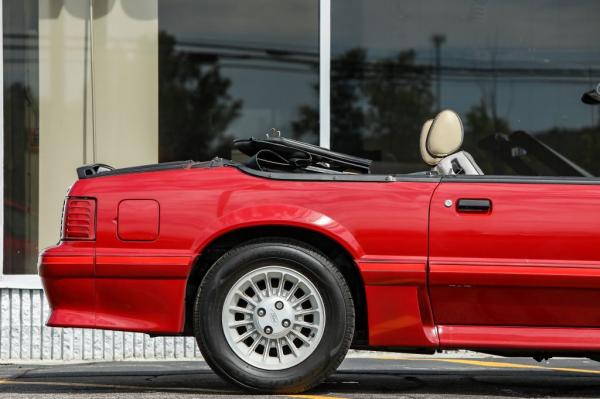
{"x":79,"y":219}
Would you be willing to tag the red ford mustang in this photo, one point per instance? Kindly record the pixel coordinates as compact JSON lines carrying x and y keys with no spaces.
{"x":278,"y":265}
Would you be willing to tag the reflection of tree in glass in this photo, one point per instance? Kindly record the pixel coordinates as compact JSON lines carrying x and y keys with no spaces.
{"x":500,"y":151}
{"x":195,"y":107}
{"x":21,"y":143}
{"x":377,"y":107}
{"x":400,"y":101}
{"x":580,"y":145}
{"x":347,"y":77}
{"x":307,"y":125}
{"x":479,"y":125}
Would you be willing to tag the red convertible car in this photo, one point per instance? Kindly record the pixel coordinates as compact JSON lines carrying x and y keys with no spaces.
{"x":280,"y":264}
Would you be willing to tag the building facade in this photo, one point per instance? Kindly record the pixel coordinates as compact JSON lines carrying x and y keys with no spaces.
{"x":129,"y":82}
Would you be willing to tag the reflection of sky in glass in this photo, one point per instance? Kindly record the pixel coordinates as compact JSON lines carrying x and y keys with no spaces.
{"x":271,"y":90}
{"x":544,"y":53}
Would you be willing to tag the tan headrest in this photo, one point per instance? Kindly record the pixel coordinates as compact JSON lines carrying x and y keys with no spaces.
{"x":445,"y":135}
{"x":423,"y":142}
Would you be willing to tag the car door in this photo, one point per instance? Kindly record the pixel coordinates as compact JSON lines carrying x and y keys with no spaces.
{"x":515,"y":252}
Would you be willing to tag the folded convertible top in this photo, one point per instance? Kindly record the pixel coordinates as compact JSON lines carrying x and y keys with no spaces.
{"x":280,"y":152}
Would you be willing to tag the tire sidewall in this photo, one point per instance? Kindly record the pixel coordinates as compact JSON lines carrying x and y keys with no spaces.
{"x":210,"y":301}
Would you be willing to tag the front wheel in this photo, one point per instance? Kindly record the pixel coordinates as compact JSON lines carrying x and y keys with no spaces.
{"x":274,"y":316}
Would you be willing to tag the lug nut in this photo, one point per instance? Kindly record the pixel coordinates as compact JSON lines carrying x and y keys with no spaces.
{"x":261,"y":312}
{"x":285,"y":323}
{"x":268,"y":330}
{"x":279,"y":305}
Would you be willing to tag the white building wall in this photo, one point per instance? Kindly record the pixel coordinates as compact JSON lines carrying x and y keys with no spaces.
{"x":23,"y":336}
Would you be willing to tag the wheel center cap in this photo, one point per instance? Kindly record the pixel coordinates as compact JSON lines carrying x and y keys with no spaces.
{"x":274,"y":317}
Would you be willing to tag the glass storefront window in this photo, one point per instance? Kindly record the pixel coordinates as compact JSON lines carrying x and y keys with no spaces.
{"x":129,"y":82}
{"x":21,"y":135}
{"x":233,"y":69}
{"x":514,"y":70}
{"x":139,"y":81}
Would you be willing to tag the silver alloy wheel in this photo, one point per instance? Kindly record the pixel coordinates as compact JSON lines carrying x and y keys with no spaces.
{"x":273,"y":318}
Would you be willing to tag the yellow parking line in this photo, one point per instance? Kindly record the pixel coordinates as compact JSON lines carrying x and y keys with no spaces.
{"x":518,"y":366}
{"x":493,"y":364}
{"x":315,"y":397}
{"x":482,"y":363}
{"x":572,"y":370}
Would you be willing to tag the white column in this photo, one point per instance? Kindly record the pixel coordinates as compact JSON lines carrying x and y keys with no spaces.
{"x":125,"y":90}
{"x":63,"y":106}
{"x":125,"y":79}
{"x":324,"y":72}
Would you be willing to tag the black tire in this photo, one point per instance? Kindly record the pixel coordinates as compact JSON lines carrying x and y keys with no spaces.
{"x":337,"y":301}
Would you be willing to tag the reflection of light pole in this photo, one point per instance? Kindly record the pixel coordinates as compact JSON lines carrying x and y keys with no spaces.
{"x":438,"y":40}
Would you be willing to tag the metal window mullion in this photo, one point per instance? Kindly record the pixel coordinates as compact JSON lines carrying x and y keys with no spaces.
{"x":324,"y":73}
{"x":92,"y":82}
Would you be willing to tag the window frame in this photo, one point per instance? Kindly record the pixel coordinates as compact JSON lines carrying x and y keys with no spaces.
{"x":324,"y":73}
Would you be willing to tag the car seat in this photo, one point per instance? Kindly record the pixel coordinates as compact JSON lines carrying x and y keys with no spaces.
{"x":440,"y":142}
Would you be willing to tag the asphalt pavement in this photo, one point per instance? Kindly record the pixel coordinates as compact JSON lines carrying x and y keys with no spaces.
{"x":378,"y":376}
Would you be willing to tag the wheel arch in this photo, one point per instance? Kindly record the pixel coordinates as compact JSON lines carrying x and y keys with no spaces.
{"x":331,"y":247}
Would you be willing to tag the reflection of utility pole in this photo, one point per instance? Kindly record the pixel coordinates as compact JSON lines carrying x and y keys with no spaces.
{"x":494,"y":93}
{"x":438,"y":40}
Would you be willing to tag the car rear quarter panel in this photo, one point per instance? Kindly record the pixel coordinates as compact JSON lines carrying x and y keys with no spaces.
{"x":140,"y":285}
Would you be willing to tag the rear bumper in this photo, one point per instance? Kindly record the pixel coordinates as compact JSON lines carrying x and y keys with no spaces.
{"x":143,"y":293}
{"x":67,"y":274}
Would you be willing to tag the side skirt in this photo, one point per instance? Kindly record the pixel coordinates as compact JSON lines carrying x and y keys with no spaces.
{"x":519,"y":338}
